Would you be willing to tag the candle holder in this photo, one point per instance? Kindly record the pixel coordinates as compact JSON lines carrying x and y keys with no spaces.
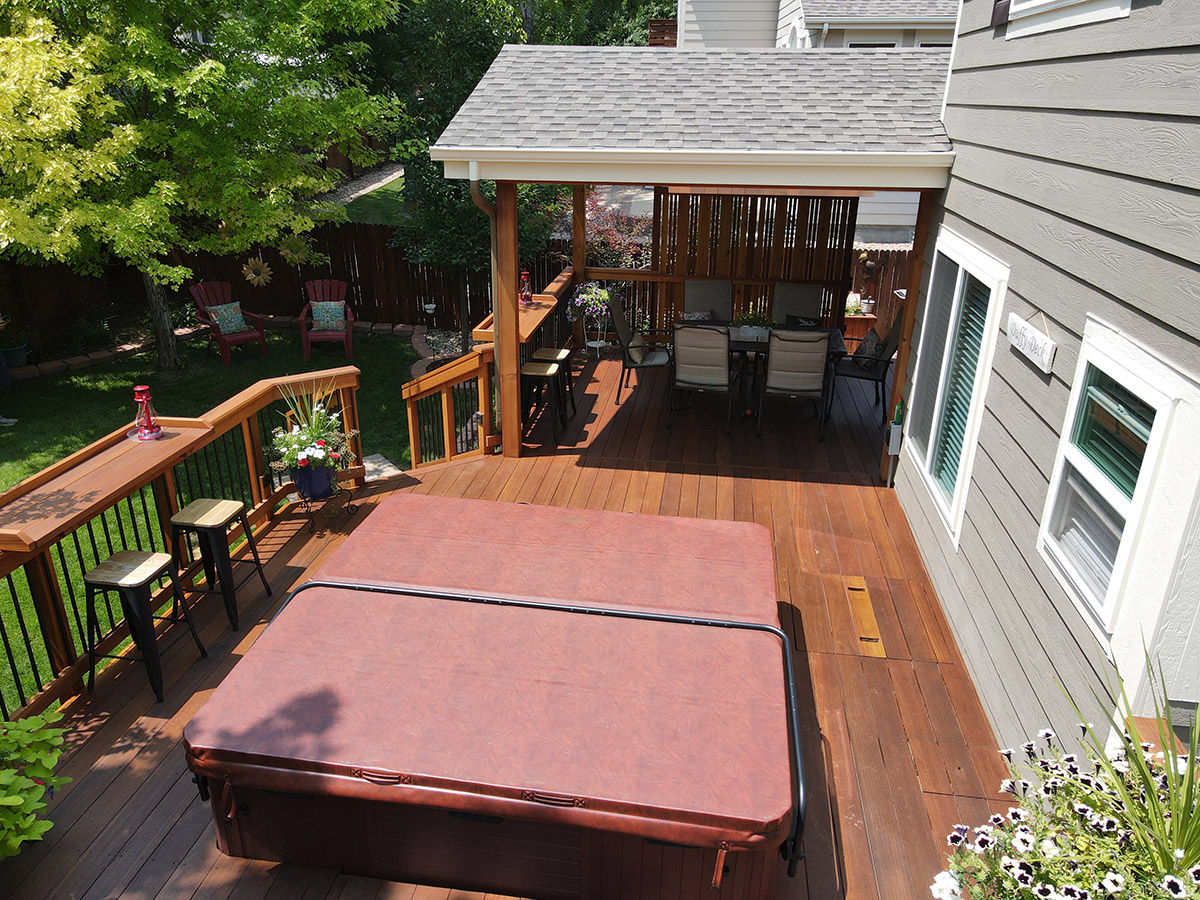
{"x":144,"y":426}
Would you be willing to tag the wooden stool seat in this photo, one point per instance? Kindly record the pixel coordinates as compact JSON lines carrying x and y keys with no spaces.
{"x":562,"y":356}
{"x":130,"y":573}
{"x":205,"y":513}
{"x":540,"y":369}
{"x":209,"y":518}
{"x":128,"y":568}
{"x":552,"y":354}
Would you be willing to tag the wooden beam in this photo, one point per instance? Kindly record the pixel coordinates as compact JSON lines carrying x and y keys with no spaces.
{"x":507,"y":318}
{"x":578,"y":247}
{"x":912,"y":295}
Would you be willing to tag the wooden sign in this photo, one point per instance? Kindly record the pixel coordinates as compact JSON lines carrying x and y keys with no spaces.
{"x":1032,"y":343}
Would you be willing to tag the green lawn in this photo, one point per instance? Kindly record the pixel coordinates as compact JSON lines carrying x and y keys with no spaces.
{"x":383,"y":206}
{"x":62,"y":413}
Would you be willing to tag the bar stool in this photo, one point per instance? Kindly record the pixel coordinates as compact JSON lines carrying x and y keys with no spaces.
{"x":539,"y":376}
{"x":209,"y":519}
{"x":562,"y":356}
{"x":130,"y":573}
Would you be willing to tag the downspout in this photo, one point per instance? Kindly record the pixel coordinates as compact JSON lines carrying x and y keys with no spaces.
{"x":489,"y":210}
{"x":824,"y":31}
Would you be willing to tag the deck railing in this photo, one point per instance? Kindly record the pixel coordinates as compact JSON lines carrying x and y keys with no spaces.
{"x":42,"y":598}
{"x":453,"y":410}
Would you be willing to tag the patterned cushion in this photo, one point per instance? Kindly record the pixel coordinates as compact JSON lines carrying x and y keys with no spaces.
{"x":704,"y":315}
{"x":870,"y":350}
{"x":228,"y":317}
{"x":637,"y":349}
{"x":329,"y":316}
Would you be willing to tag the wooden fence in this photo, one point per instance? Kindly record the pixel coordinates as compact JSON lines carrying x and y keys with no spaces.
{"x":880,"y":283}
{"x":384,"y":286}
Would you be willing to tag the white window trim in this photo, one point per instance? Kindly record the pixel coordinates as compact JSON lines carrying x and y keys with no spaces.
{"x":994,"y":274}
{"x":1026,"y":17}
{"x":1143,"y":373}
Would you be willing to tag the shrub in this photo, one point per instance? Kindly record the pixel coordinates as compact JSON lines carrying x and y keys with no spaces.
{"x":29,"y":751}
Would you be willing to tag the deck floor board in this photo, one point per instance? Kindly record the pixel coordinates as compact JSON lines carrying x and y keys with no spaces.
{"x":897,"y":747}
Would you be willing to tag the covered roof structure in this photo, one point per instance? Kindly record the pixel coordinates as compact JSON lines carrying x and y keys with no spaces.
{"x":632,"y":115}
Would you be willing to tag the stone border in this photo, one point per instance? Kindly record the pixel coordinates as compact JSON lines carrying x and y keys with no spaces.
{"x":275,"y":323}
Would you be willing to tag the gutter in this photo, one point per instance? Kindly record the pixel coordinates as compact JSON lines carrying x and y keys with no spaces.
{"x":474,"y":156}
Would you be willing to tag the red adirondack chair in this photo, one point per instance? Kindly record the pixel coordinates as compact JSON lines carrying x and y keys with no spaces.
{"x":325,"y":290}
{"x":217,"y":293}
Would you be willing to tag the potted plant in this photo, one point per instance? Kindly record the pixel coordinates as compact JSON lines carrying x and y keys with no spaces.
{"x":29,"y":751}
{"x":314,"y":448}
{"x":590,"y":304}
{"x":14,"y":344}
{"x":1121,"y":819}
{"x":755,"y":325}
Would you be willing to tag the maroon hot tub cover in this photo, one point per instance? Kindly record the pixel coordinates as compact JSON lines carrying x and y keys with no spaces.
{"x":660,"y":730}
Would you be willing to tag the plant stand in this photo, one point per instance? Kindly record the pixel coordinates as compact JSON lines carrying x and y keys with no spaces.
{"x":599,"y":342}
{"x":310,"y":502}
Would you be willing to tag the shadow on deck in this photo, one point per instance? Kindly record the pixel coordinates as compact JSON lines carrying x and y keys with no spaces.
{"x":896,"y":745}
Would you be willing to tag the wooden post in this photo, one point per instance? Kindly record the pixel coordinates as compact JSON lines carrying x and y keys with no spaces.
{"x":449,"y":428}
{"x":51,"y":613}
{"x":255,"y":448}
{"x":484,"y":384}
{"x":507,"y":318}
{"x":251,"y":462}
{"x":578,"y":247}
{"x":912,"y":295}
{"x":414,"y":434}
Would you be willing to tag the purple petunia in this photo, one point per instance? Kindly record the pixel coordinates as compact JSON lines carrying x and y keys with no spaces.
{"x":1173,"y":886}
{"x":1194,"y":872}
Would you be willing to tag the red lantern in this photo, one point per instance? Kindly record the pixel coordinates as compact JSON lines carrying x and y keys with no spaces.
{"x":526,"y":290}
{"x":144,"y":426}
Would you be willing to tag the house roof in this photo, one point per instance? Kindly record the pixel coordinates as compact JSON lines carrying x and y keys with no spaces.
{"x":601,"y":108}
{"x":820,"y":10}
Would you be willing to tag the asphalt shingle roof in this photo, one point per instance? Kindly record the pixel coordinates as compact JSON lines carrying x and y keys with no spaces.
{"x":815,"y":10}
{"x":620,"y":98}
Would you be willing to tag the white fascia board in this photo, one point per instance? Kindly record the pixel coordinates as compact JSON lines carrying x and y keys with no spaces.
{"x":897,"y":171}
{"x":877,"y":22}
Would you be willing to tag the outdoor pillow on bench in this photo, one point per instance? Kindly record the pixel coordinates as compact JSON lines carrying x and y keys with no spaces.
{"x":228,"y":317}
{"x":329,"y":315}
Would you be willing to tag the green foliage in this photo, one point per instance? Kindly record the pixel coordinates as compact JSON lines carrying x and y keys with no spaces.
{"x":1121,"y":822}
{"x":589,"y":303}
{"x":136,"y":130}
{"x":316,"y":438}
{"x":752,"y":319}
{"x":29,"y":751}
{"x":591,"y":21}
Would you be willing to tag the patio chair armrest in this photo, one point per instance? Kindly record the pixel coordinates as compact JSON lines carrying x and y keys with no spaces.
{"x":303,"y":317}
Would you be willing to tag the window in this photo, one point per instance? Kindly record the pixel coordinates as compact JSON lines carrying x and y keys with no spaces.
{"x":954,"y":356}
{"x":936,"y":44}
{"x":1027,"y":17}
{"x":1110,"y":438}
{"x":865,"y":45}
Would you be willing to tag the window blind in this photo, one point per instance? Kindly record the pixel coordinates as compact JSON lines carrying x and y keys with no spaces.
{"x":931,"y":349}
{"x":960,"y":384}
{"x":1112,"y":429}
{"x":1088,"y":531}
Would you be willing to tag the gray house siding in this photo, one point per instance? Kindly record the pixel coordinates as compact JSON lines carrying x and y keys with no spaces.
{"x":1076,"y":166}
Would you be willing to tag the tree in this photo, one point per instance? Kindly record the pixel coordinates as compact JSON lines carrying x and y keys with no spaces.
{"x":139,"y":130}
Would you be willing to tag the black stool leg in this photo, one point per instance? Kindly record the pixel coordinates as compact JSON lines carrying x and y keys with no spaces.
{"x":254,"y":550}
{"x":181,"y":605}
{"x":138,"y":615}
{"x":207,"y":560}
{"x":565,"y":373}
{"x":566,"y":367}
{"x":92,"y":628}
{"x":218,"y":550}
{"x":552,"y":408}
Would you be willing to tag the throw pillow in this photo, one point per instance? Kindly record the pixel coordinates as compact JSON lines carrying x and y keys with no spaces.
{"x":228,"y":317}
{"x":870,"y":349}
{"x":637,"y":349}
{"x":704,"y":315}
{"x":329,"y":315}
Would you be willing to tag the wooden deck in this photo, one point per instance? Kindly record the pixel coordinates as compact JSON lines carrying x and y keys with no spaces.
{"x":897,"y":748}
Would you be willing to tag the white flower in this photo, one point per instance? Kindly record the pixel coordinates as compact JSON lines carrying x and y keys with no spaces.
{"x":1046,"y":734}
{"x":1022,"y":843}
{"x":1194,"y":871}
{"x":1181,"y":765}
{"x":1017,"y":815}
{"x":1121,"y":766}
{"x":1173,"y":886}
{"x":1113,"y":883}
{"x":303,"y":454}
{"x":945,"y":886}
{"x":1049,"y":848}
{"x":1179,"y":853}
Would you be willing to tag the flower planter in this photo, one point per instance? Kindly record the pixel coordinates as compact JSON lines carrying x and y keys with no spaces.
{"x":314,"y":482}
{"x":858,"y":326}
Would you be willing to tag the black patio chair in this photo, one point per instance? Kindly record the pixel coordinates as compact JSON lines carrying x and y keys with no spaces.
{"x":636,"y":353}
{"x":870,"y":366}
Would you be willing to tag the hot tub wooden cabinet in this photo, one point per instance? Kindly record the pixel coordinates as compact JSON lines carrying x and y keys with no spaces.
{"x":537,"y":702}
